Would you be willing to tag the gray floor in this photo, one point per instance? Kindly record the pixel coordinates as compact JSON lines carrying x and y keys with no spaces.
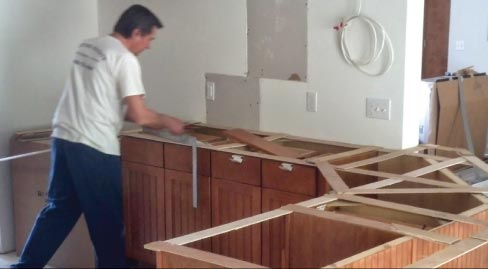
{"x":7,"y":259}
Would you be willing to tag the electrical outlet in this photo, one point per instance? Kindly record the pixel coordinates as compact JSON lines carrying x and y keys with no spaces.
{"x":210,"y":90}
{"x":459,"y":44}
{"x":378,"y":108}
{"x":312,"y":101}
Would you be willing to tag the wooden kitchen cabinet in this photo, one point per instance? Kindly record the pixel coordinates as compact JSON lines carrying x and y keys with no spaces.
{"x":181,"y":217}
{"x":273,"y":231}
{"x":143,"y":208}
{"x":233,"y":201}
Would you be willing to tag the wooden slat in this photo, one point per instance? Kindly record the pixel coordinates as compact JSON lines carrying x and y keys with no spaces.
{"x":238,"y":145}
{"x":196,"y":258}
{"x":317,"y":201}
{"x":449,"y":174}
{"x":381,"y":158}
{"x":410,"y":209}
{"x":415,"y":173}
{"x":449,"y":253}
{"x":420,"y":180}
{"x":334,"y":180}
{"x":260,"y":143}
{"x":415,"y":191}
{"x":378,"y":225}
{"x":449,"y":149}
{"x":330,"y":157}
{"x":478,"y":163}
{"x":228,"y":227}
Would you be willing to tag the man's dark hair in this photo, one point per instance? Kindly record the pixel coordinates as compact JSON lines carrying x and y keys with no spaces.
{"x":136,"y":17}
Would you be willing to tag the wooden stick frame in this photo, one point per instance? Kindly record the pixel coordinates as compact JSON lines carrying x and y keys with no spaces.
{"x":455,"y":247}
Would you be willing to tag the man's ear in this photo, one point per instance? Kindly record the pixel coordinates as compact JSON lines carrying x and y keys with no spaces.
{"x":136,"y":33}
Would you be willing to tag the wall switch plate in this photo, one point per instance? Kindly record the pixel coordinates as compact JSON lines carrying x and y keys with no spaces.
{"x":312,"y":101}
{"x":377,"y":108}
{"x":210,"y":90}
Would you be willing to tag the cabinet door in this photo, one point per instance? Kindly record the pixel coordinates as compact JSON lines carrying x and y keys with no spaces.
{"x":274,"y":231}
{"x":181,"y":217}
{"x":233,"y":201}
{"x":143,"y":209}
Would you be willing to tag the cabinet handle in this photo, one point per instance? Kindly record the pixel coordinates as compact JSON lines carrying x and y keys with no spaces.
{"x":286,"y":167}
{"x":236,"y":159}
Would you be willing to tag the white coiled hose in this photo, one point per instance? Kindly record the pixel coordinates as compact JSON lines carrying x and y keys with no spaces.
{"x":380,"y":42}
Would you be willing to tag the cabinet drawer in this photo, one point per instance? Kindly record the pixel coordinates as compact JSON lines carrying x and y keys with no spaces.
{"x":179,"y":158}
{"x":142,"y":151}
{"x":238,"y":168}
{"x":289,"y":177}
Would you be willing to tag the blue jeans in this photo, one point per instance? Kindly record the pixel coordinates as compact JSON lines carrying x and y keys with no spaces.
{"x":82,"y":180}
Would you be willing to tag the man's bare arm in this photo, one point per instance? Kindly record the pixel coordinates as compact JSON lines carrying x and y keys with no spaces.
{"x":139,"y":113}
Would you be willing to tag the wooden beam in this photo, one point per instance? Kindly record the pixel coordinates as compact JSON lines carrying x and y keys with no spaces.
{"x":415,"y":173}
{"x":410,"y":209}
{"x":381,"y":158}
{"x":420,"y":180}
{"x":455,"y":178}
{"x":373,"y":224}
{"x":478,"y":163}
{"x":260,"y":143}
{"x":317,"y":201}
{"x":330,"y":157}
{"x":331,"y":176}
{"x":460,"y":151}
{"x":198,"y":257}
{"x":238,"y":145}
{"x":183,"y":240}
{"x":415,"y":191}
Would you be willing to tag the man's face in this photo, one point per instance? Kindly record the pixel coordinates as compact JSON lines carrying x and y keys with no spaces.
{"x":139,"y":42}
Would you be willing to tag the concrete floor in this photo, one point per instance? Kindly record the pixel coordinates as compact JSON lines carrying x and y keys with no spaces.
{"x":7,"y":259}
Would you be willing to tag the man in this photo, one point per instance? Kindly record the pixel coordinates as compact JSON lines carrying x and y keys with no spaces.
{"x":103,"y":88}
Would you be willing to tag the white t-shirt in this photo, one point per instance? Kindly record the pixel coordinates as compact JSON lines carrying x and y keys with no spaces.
{"x":91,"y":110}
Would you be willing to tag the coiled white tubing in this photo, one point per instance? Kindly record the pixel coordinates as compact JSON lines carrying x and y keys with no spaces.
{"x":380,"y":43}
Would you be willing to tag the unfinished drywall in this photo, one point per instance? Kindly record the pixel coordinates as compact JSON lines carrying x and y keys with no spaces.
{"x":238,"y":97}
{"x":341,"y":89}
{"x":199,"y":37}
{"x":36,"y":46}
{"x":277,"y":39}
{"x":469,"y":24}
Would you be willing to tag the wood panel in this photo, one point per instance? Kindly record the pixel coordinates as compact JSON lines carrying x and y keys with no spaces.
{"x":143,"y":209}
{"x":436,"y":38}
{"x":179,"y":158}
{"x":274,"y":231}
{"x":248,"y":172}
{"x":142,"y":151}
{"x":301,"y":179}
{"x":313,"y":244}
{"x":233,"y":201}
{"x":397,"y":256}
{"x":181,"y":217}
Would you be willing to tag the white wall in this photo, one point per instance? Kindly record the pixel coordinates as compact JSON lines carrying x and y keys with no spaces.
{"x":199,"y":37}
{"x":36,"y":47}
{"x":469,"y":22}
{"x":342,"y":90}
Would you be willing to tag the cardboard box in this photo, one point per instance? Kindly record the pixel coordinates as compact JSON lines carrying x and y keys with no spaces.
{"x":446,"y":126}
